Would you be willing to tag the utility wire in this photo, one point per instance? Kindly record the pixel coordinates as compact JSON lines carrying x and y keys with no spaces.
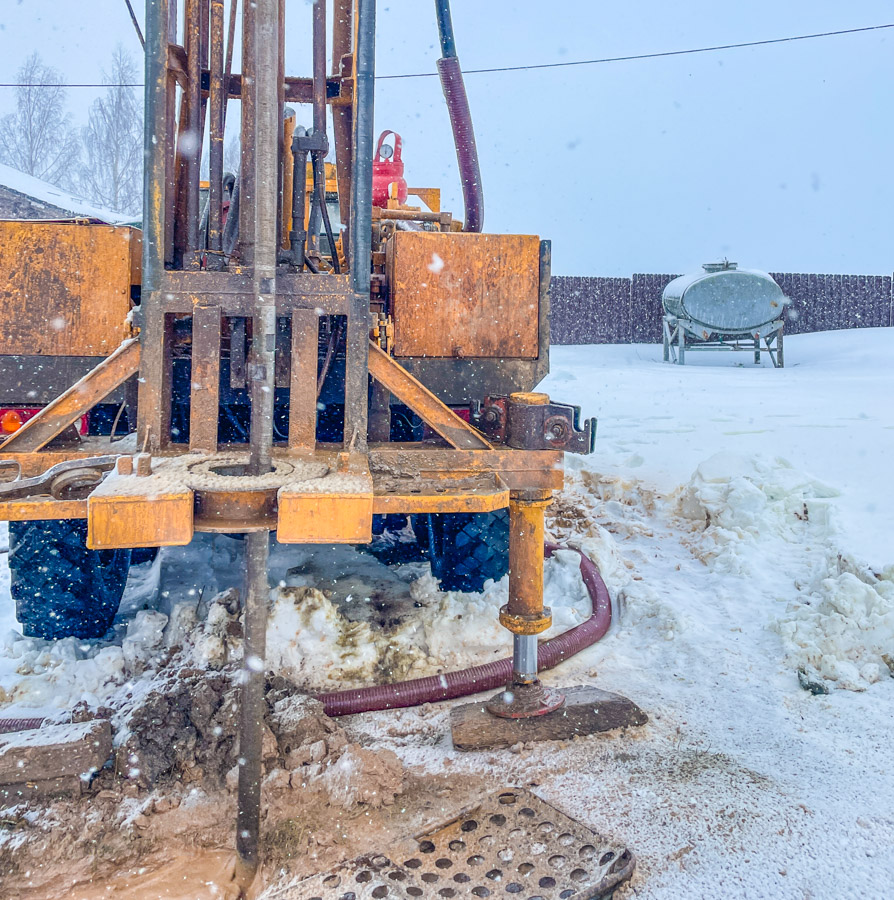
{"x":558,"y":65}
{"x":63,"y":84}
{"x":613,"y":59}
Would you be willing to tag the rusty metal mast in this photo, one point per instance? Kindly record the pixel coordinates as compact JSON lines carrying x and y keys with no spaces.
{"x":250,"y":304}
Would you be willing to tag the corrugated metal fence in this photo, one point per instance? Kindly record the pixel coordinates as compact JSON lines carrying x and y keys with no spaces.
{"x":628,"y":310}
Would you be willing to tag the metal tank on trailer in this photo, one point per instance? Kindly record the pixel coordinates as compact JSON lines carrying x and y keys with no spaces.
{"x":723,"y":308}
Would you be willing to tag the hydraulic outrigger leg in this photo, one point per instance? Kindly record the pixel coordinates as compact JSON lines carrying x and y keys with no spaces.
{"x":525,"y":615}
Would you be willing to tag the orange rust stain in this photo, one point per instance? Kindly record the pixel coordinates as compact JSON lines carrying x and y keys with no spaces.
{"x":65,"y":288}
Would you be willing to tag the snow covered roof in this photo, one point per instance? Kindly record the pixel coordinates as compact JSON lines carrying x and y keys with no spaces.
{"x":47,"y":193}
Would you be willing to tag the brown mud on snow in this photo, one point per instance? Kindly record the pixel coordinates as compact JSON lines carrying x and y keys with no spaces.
{"x":159,"y":820}
{"x":186,"y":851}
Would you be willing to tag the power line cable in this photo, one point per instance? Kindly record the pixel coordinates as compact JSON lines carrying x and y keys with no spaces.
{"x":658,"y":55}
{"x":554,"y":65}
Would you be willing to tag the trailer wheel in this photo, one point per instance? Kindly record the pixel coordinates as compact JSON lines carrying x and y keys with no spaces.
{"x":62,"y":589}
{"x":465,"y":549}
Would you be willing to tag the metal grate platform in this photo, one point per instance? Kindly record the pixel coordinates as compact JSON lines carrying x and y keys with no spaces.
{"x":513,"y":845}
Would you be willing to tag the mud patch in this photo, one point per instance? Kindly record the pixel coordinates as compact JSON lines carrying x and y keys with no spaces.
{"x":184,"y":729}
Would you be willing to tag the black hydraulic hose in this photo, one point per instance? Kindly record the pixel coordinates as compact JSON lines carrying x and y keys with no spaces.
{"x":231,"y":227}
{"x":460,"y":121}
{"x":320,"y":188}
{"x":445,"y":28}
{"x":314,"y":217}
{"x":331,"y":346}
{"x":298,"y":233}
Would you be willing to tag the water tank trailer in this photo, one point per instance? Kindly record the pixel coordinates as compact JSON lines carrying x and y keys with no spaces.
{"x":723,"y":308}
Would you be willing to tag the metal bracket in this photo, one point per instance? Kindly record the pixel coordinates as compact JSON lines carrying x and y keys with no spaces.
{"x":70,"y":480}
{"x":536,"y":426}
{"x":310,"y":141}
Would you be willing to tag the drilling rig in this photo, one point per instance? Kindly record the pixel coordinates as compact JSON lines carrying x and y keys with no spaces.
{"x":294,"y":366}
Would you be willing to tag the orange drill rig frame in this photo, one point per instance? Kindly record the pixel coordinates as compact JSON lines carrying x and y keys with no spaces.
{"x":332,"y":343}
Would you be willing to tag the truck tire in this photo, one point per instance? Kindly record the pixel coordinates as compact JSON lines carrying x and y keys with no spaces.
{"x":465,"y":549}
{"x":62,"y":589}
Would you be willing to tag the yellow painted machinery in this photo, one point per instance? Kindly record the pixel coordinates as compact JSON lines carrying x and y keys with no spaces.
{"x":291,"y":356}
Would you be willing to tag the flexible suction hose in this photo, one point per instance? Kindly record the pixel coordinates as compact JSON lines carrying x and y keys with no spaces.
{"x":490,"y":676}
{"x":460,"y":120}
{"x":7,"y":726}
{"x":464,"y":139}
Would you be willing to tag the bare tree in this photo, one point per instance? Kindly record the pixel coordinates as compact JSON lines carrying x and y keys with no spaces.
{"x":112,"y":171}
{"x":38,"y":138}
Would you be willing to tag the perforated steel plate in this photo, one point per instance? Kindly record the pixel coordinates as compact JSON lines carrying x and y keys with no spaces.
{"x":513,"y":846}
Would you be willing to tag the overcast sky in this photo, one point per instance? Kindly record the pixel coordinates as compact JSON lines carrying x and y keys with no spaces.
{"x":779,"y":157}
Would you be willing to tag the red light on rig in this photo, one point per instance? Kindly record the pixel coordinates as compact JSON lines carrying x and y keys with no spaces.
{"x":10,"y":421}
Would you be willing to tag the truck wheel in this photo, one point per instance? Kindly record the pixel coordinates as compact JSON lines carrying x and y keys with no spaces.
{"x":62,"y":589}
{"x":465,"y":549}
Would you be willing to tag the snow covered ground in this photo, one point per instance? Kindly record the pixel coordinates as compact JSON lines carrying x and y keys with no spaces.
{"x":830,"y":412}
{"x":742,"y":518}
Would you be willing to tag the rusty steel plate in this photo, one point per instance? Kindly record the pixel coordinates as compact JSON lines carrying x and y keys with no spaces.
{"x":512,"y":845}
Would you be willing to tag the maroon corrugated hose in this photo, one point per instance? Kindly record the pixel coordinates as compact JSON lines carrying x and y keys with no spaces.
{"x":490,"y":676}
{"x":464,"y":139}
{"x":451,"y":685}
{"x":7,"y":726}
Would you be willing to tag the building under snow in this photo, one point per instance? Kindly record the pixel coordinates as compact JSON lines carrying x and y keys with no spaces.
{"x":26,"y":197}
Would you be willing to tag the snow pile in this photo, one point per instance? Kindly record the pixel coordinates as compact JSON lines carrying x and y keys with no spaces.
{"x":753,"y":507}
{"x":310,"y":642}
{"x":145,"y":635}
{"x":57,"y":675}
{"x":212,"y":632}
{"x":754,"y":511}
{"x":313,"y":643}
{"x":600,"y":513}
{"x":844,"y":630}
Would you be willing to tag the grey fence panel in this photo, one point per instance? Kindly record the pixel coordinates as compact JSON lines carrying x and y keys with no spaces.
{"x":875,"y":311}
{"x":833,"y":302}
{"x":622,"y":310}
{"x":796,"y":311}
{"x":645,"y":304}
{"x":590,"y":310}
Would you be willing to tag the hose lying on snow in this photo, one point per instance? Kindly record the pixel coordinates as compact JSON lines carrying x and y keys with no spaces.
{"x":489,"y":676}
{"x":7,"y":726}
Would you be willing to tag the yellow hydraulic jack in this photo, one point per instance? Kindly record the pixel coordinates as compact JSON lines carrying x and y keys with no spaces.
{"x":525,"y":615}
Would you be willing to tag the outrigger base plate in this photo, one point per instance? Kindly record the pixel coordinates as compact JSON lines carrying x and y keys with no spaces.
{"x":586,"y":710}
